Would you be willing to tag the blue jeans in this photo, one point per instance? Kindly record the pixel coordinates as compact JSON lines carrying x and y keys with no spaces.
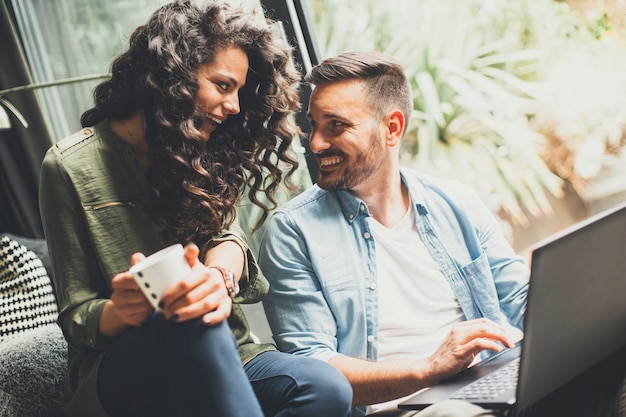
{"x":190,"y":369}
{"x":297,"y":386}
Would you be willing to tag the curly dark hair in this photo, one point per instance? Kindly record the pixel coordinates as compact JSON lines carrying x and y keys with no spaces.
{"x":199,"y":184}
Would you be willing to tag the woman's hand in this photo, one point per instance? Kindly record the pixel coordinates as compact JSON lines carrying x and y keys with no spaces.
{"x":128,"y":306}
{"x":131,"y":305}
{"x":202,"y":293}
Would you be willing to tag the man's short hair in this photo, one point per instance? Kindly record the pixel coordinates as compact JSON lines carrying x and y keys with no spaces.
{"x":386,"y":85}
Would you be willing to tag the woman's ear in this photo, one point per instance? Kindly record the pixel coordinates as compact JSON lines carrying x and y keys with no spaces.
{"x":395,"y":127}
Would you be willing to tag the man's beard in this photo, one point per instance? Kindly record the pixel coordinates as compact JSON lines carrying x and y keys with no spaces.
{"x":366,"y":162}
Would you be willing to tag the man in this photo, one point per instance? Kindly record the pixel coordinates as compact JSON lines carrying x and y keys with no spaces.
{"x":397,"y":279}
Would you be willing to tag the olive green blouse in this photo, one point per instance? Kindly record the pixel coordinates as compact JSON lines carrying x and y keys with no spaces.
{"x":97,"y":209}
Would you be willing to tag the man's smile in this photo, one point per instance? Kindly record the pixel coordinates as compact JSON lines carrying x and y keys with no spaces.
{"x":329,"y":161}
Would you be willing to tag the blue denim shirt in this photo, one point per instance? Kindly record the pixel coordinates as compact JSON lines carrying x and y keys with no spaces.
{"x":318,"y":253}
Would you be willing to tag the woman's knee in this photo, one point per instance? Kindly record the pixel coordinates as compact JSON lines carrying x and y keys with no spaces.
{"x":195,"y":337}
{"x":205,"y":351}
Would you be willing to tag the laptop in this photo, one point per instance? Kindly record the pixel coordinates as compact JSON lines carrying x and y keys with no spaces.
{"x":575,"y":319}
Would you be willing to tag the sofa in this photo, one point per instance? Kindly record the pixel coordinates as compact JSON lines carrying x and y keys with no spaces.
{"x":33,"y":352}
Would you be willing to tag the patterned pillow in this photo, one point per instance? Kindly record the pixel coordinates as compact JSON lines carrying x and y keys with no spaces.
{"x":26,"y":295}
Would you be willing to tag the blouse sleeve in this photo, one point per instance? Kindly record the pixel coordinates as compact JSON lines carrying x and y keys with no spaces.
{"x":253,"y":285}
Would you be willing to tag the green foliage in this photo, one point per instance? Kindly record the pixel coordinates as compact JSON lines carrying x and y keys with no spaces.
{"x":475,"y":67}
{"x":599,"y":26}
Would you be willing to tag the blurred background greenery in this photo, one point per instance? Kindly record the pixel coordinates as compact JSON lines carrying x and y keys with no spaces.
{"x":525,"y":100}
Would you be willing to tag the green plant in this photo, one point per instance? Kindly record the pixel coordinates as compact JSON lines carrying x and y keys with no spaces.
{"x":474,"y":92}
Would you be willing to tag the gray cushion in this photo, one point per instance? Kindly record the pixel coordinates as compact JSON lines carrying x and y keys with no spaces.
{"x":33,"y":365}
{"x":33,"y":352}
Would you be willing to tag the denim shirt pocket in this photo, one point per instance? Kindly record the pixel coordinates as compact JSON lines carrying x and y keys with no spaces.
{"x":482,"y":286}
{"x":334,"y":266}
{"x":338,"y":278}
{"x":341,"y":291}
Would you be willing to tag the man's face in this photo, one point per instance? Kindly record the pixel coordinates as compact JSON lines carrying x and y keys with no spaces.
{"x":346,"y":137}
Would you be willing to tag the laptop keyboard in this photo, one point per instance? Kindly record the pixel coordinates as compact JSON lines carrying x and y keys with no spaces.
{"x":492,"y":385}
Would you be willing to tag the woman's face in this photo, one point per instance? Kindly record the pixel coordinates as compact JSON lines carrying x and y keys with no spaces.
{"x":219,"y":83}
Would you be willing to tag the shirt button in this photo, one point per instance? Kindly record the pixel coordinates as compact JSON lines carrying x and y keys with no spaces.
{"x":351,"y":216}
{"x":373,"y":286}
{"x":91,"y":342}
{"x":362,"y":207}
{"x":370,"y":339}
{"x":367,"y":235}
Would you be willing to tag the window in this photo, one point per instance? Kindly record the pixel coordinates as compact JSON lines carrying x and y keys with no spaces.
{"x":76,"y":39}
{"x":523,"y":101}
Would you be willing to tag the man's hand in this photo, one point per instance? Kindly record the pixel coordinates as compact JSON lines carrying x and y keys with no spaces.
{"x":463,"y":343}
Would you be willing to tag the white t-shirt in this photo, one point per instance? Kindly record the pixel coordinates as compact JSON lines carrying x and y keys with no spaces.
{"x":416,"y":304}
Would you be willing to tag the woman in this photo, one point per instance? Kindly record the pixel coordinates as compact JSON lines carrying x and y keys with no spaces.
{"x":199,"y":107}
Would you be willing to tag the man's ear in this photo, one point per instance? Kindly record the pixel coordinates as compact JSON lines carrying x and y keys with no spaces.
{"x":395,"y":127}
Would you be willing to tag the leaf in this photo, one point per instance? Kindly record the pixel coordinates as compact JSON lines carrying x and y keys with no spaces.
{"x":432,"y":105}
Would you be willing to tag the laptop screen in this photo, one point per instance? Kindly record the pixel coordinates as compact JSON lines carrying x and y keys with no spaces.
{"x":576,"y":313}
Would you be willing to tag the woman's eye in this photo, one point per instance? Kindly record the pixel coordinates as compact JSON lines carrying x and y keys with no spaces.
{"x":223,"y":86}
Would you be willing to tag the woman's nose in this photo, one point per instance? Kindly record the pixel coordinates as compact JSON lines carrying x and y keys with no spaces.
{"x":232,"y":104}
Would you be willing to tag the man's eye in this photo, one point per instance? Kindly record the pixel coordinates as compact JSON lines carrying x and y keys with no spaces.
{"x":337,"y":123}
{"x":224,"y":86}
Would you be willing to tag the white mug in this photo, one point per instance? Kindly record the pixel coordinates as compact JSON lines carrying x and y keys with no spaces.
{"x":160,"y":271}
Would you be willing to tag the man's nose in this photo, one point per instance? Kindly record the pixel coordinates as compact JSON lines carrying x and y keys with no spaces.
{"x":317,"y":142}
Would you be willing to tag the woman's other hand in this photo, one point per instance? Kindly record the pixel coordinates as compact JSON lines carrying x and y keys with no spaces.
{"x":128,"y":306}
{"x":202,"y":293}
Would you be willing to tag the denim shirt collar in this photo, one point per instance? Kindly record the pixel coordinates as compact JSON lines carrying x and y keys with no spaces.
{"x":352,"y":206}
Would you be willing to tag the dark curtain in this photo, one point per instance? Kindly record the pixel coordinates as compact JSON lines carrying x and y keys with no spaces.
{"x":21,"y":148}
{"x":19,"y":213}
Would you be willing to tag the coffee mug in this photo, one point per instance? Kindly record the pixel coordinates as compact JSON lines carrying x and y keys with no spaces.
{"x":160,"y":271}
